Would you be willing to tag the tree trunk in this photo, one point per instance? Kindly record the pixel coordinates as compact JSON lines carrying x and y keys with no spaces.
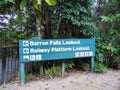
{"x":40,"y":34}
{"x":118,"y":5}
{"x":38,"y":27}
{"x":48,"y":33}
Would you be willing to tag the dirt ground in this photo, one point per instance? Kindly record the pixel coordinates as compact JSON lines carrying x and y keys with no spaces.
{"x":76,"y":80}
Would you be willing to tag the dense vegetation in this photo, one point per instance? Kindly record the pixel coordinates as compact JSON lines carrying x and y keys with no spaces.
{"x":99,"y":19}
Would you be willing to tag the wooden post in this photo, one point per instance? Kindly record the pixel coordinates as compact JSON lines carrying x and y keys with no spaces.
{"x":63,"y":68}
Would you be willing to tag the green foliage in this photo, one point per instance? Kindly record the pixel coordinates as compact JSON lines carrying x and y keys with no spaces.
{"x":51,"y":2}
{"x":107,"y":48}
{"x":12,"y":36}
{"x":28,"y":76}
{"x":86,"y":66}
{"x":23,"y":4}
{"x":107,"y":41}
{"x":18,"y":75}
{"x":100,"y":57}
{"x":99,"y":67}
{"x":69,"y":65}
{"x":111,"y":18}
{"x":76,"y":16}
{"x":20,"y":27}
{"x":53,"y":71}
{"x":106,"y":19}
{"x":108,"y":45}
{"x":116,"y":62}
{"x":36,"y":3}
{"x":4,"y":86}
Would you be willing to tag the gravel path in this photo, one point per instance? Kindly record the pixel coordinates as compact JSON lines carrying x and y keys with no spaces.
{"x":73,"y":81}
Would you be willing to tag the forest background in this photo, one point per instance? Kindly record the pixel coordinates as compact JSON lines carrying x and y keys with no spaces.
{"x":59,"y":19}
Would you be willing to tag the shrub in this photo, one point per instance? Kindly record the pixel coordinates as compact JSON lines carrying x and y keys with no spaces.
{"x":100,"y":67}
{"x":54,"y":71}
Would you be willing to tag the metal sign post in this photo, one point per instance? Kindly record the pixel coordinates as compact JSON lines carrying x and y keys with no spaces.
{"x":92,"y":64}
{"x":22,"y":73}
